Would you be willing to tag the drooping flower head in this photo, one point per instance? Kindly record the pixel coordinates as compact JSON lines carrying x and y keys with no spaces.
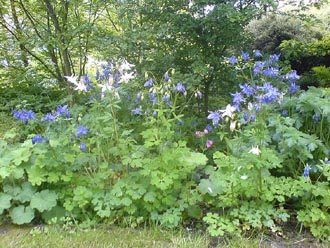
{"x":149,"y":83}
{"x":37,"y":139}
{"x":180,"y":88}
{"x":136,"y":111}
{"x":63,"y":110}
{"x":82,"y":147}
{"x":306,"y":171}
{"x":232,"y":60}
{"x":245,"y":56}
{"x":257,"y":54}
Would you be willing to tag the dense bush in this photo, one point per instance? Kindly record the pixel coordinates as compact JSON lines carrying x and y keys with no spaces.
{"x":131,"y":155}
{"x":269,"y":31}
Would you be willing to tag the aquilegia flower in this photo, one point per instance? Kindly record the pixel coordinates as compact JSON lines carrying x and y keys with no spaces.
{"x":292,"y":75}
{"x":24,"y":115}
{"x":37,"y":139}
{"x":257,"y":54}
{"x":306,"y":171}
{"x":82,"y":147}
{"x":228,"y":111}
{"x":81,"y":130}
{"x":49,"y":118}
{"x":166,"y":77}
{"x":63,"y":110}
{"x":136,"y":111}
{"x":149,"y":83}
{"x":293,"y":88}
{"x":180,"y":88}
{"x":215,"y":117}
{"x":79,"y":86}
{"x":247,"y":89}
{"x":270,"y":72}
{"x":245,"y":56}
{"x":232,"y":60}
{"x":255,"y":150}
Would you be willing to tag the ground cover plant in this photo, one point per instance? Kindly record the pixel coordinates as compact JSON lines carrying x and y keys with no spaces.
{"x":130,"y":155}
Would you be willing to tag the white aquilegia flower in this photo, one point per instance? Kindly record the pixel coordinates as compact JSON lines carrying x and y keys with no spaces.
{"x":232,"y":126}
{"x":244,"y":177}
{"x":228,"y":111}
{"x":126,"y":77}
{"x":125,"y":66}
{"x":80,"y":86}
{"x":255,"y":150}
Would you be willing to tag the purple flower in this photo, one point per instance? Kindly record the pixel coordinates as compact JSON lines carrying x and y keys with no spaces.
{"x":292,"y":75}
{"x":247,"y":89}
{"x":153,"y":97}
{"x":275,"y":57}
{"x":149,"y":83}
{"x":166,"y":77}
{"x":317,"y":117}
{"x":293,"y":88}
{"x":238,"y":98}
{"x":81,"y":130}
{"x":180,"y":88}
{"x":63,"y":110}
{"x":245,"y":116}
{"x":232,"y":60}
{"x":49,"y":117}
{"x":37,"y":139}
{"x":194,"y":123}
{"x":215,"y":117}
{"x":252,"y":117}
{"x":199,"y":94}
{"x":270,"y":72}
{"x":257,"y":54}
{"x":245,"y":56}
{"x":258,"y":66}
{"x":166,"y":98}
{"x":180,"y":123}
{"x":209,"y":143}
{"x":306,"y":171}
{"x":284,"y":113}
{"x":82,"y":147}
{"x":136,"y":111}
{"x":209,"y":128}
{"x":24,"y":115}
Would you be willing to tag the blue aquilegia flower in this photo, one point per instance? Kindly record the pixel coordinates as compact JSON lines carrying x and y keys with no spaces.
{"x":136,"y":111}
{"x":24,"y":115}
{"x":257,"y":68}
{"x":81,"y":130}
{"x":284,"y":113}
{"x":153,"y":97}
{"x":63,"y":110}
{"x":166,"y":97}
{"x":232,"y":60}
{"x":180,"y":88}
{"x":238,"y":98}
{"x":49,"y":118}
{"x":293,"y":88}
{"x":209,"y":128}
{"x":317,"y":117}
{"x":270,"y":72}
{"x":82,"y":147}
{"x":275,"y":57}
{"x":149,"y":83}
{"x":247,"y":89}
{"x":245,"y":56}
{"x":215,"y":116}
{"x":306,"y":171}
{"x":257,"y":54}
{"x":199,"y":94}
{"x":37,"y":139}
{"x":292,"y":76}
{"x":166,"y":77}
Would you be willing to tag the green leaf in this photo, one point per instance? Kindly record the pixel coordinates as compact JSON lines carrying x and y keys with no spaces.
{"x":4,"y":202}
{"x":22,"y":215}
{"x":26,"y":193}
{"x":56,"y":212}
{"x":44,"y":200}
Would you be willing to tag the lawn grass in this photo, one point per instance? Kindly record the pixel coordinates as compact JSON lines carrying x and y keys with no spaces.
{"x":155,"y":237}
{"x":54,"y":236}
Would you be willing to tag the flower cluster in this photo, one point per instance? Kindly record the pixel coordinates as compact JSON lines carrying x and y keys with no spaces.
{"x":24,"y":115}
{"x":61,"y":111}
{"x":39,"y":139}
